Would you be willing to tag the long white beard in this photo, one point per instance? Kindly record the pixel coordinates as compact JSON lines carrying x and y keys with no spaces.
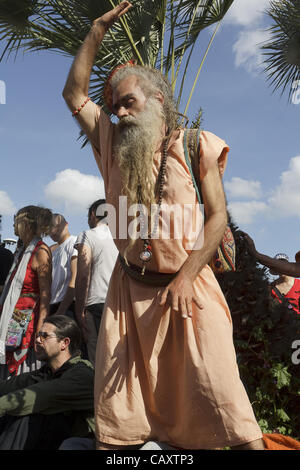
{"x":136,"y":141}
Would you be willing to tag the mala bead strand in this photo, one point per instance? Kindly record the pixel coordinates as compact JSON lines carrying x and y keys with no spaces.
{"x":146,"y":254}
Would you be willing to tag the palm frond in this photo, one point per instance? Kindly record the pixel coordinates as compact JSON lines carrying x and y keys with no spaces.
{"x":282,"y":50}
{"x":16,"y":13}
{"x":200,"y":67}
{"x":15,"y":24}
{"x":155,"y":32}
{"x":208,"y":12}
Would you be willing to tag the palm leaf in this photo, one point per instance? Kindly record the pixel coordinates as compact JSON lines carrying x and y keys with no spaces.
{"x":208,"y":13}
{"x":16,"y":13}
{"x":200,"y":67}
{"x":15,"y":22}
{"x":155,"y":32}
{"x":282,"y":51}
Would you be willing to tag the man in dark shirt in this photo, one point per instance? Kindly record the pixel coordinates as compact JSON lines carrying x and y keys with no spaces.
{"x":40,"y":409}
{"x":6,"y":260}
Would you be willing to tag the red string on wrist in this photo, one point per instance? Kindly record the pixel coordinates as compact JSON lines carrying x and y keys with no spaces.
{"x":77,"y":111}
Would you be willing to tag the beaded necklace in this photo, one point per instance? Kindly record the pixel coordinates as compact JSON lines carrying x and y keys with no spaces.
{"x":146,"y":253}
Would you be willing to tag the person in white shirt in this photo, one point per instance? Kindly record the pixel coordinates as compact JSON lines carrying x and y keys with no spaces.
{"x":97,"y":255}
{"x":64,"y":267}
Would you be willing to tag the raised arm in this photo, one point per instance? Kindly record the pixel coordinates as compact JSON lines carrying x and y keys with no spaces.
{"x":280,"y":266}
{"x":76,"y":88}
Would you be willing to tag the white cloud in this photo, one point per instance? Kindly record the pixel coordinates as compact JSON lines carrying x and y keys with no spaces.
{"x":246,"y":12}
{"x":249,"y":16}
{"x":245,"y":212}
{"x":241,"y":188}
{"x":74,"y":191}
{"x":247,"y":49}
{"x":285,"y":200}
{"x":7,"y":207}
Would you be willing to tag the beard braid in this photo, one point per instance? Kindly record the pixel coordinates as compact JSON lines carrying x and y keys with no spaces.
{"x":136,"y":141}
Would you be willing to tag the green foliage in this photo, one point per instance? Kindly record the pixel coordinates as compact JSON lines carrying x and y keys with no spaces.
{"x":282,"y":51}
{"x":198,"y":120}
{"x":159,"y":33}
{"x":264,"y":331}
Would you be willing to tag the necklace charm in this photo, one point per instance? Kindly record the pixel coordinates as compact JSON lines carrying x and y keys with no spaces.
{"x":146,"y":254}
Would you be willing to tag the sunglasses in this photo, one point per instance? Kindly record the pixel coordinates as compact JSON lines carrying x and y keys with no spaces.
{"x":42,"y":335}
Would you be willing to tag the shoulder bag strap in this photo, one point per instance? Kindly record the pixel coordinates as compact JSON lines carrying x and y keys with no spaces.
{"x":191,"y":145}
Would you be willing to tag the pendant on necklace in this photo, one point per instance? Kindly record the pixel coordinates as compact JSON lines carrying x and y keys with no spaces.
{"x":146,"y":253}
{"x":145,"y":256}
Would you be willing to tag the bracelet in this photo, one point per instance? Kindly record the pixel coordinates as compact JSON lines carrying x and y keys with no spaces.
{"x":77,"y":111}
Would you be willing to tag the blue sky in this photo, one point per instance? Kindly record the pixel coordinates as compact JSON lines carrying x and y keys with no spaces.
{"x":43,"y":163}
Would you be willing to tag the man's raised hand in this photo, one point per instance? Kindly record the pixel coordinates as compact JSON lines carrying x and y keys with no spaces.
{"x":113,"y":15}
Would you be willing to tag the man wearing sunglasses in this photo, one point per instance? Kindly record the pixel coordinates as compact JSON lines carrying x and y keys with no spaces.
{"x":40,"y":409}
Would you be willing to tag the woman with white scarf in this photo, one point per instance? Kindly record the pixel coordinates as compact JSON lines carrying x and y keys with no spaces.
{"x":24,"y":303}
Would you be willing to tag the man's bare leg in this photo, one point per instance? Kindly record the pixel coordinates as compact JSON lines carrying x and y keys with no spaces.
{"x":258,"y":444}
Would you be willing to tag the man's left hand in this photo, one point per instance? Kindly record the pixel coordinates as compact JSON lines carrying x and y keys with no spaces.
{"x":180,"y":296}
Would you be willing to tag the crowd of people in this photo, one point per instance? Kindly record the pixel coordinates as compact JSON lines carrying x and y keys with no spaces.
{"x":45,"y":334}
{"x":146,"y":313}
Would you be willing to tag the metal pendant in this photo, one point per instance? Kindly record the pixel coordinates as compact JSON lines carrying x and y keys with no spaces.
{"x":145,"y":255}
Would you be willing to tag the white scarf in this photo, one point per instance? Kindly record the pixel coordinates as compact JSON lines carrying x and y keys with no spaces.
{"x":11,"y":293}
